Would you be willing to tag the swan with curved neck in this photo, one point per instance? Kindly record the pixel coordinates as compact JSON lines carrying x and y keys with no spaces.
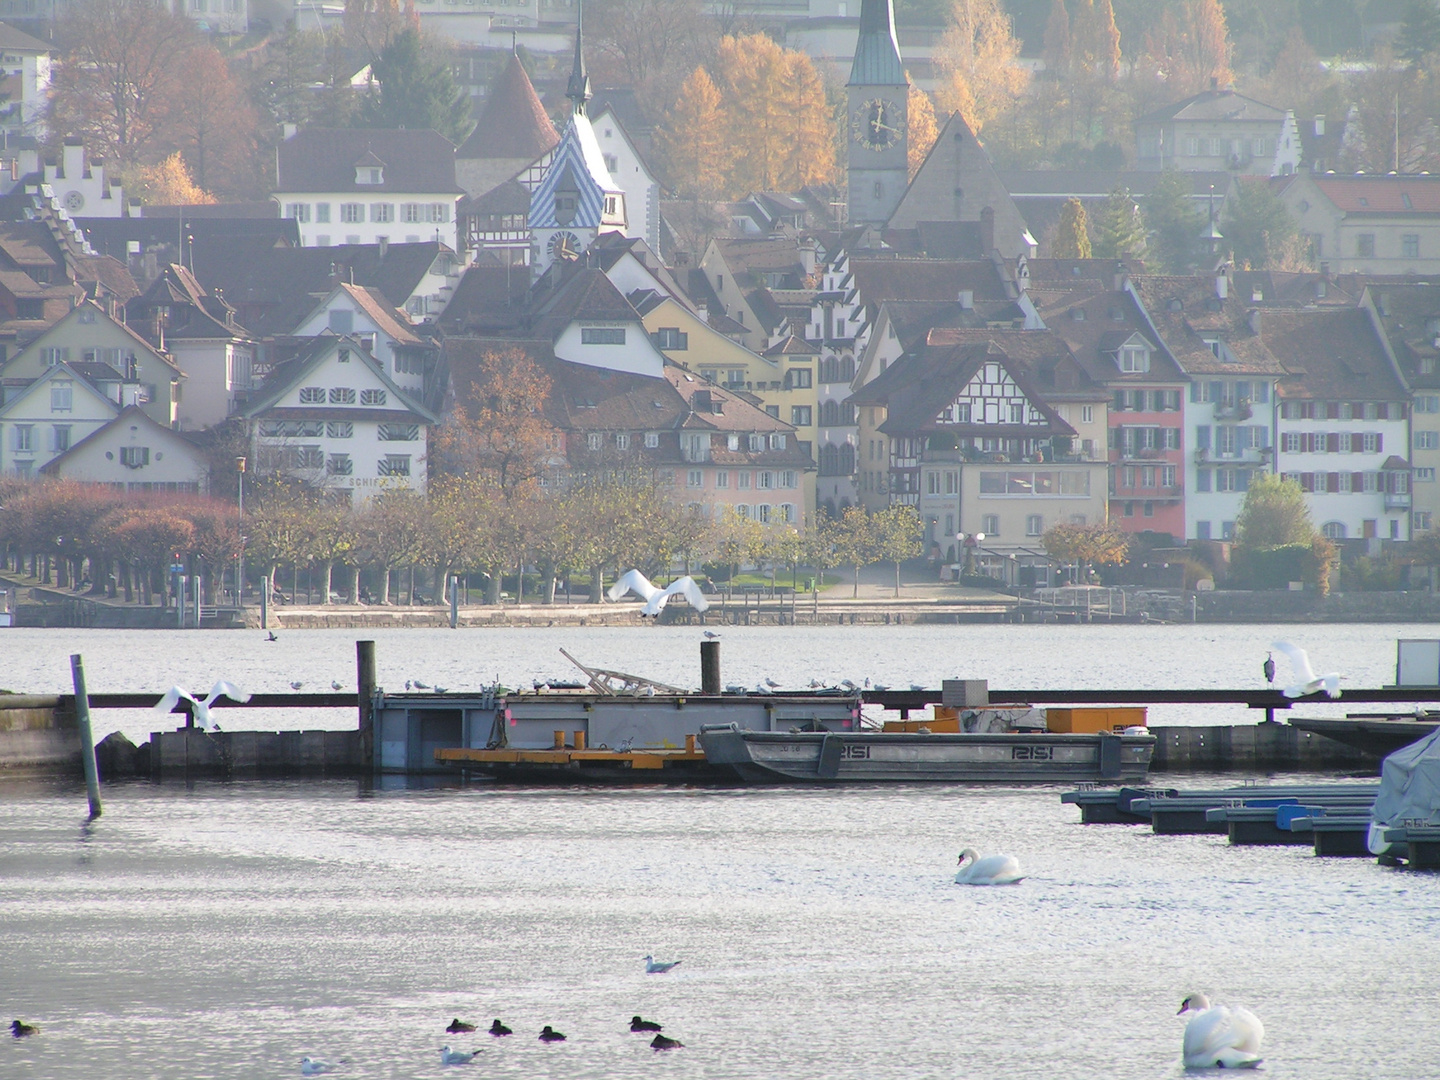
{"x":987,"y":870}
{"x":1218,"y":1037}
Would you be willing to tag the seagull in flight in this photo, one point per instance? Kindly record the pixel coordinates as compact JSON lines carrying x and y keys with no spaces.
{"x":633,"y":581}
{"x":271,"y":636}
{"x":1308,"y":682}
{"x":658,"y":967}
{"x":201,"y":706}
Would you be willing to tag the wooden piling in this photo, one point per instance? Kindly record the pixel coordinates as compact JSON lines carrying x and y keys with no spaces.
{"x":710,"y":667}
{"x":87,"y":735}
{"x":365,"y":684}
{"x":454,"y":602}
{"x":265,"y":602}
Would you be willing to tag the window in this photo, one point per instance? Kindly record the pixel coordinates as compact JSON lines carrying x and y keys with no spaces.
{"x":62,"y":395}
{"x":743,"y":479}
{"x":787,"y":513}
{"x":622,"y":440}
{"x":342,"y":395}
{"x":990,"y":524}
{"x":788,"y":479}
{"x":1134,"y":358}
{"x":1202,"y":479}
{"x":382,"y":213}
{"x":1424,"y":475}
{"x":60,"y":438}
{"x":694,"y":478}
{"x":1087,"y":414}
{"x":439,"y":212}
{"x":340,"y":429}
{"x":410,"y":213}
{"x":398,"y":432}
{"x":762,"y":513}
{"x":1202,"y":530}
{"x":372,"y":397}
{"x":134,"y":457}
{"x":800,"y":415}
{"x":722,"y":479}
{"x":1227,"y":530}
{"x":322,"y":213}
{"x":670,"y":337}
{"x":1371,"y":442}
{"x":298,"y":210}
{"x":594,"y":441}
{"x":312,"y":395}
{"x":1365,"y":245}
{"x":652,"y":440}
{"x":773,"y":411}
{"x":1017,"y":413}
{"x":800,"y":378}
{"x":1410,"y":245}
{"x":394,"y":465}
{"x":352,"y":213}
{"x":777,"y":441}
{"x":1034,"y":524}
{"x":1334,"y":530}
{"x":1427,"y":403}
{"x":602,"y":335}
{"x":1427,"y":440}
{"x":51,"y":356}
{"x":1420,"y":520}
{"x":1167,"y":476}
{"x":342,"y":321}
{"x":339,"y":465}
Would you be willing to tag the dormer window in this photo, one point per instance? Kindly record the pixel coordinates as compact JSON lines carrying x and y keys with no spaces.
{"x":1134,"y":358}
{"x":369,"y":175}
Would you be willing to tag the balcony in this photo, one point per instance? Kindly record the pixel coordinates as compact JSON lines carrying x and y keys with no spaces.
{"x":1397,"y":500}
{"x":1233,"y":410}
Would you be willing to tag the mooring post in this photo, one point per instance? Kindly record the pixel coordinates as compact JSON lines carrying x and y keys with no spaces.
{"x":265,"y":602}
{"x":180,"y":601}
{"x":365,"y":684}
{"x":195,"y":583}
{"x":710,"y":667}
{"x":87,"y":736}
{"x":454,"y":601}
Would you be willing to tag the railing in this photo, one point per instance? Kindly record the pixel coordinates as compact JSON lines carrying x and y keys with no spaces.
{"x":1397,"y":500}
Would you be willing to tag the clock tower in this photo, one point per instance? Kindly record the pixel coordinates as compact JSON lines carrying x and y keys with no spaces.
{"x":878,"y":121}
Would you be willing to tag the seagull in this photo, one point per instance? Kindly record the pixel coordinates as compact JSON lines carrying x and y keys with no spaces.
{"x":655,"y":599}
{"x":1309,"y":682}
{"x":335,"y":685}
{"x":20,"y":1029}
{"x":1220,"y":1038}
{"x":549,"y":1034}
{"x":772,"y":684}
{"x":442,"y":689}
{"x":418,"y":685}
{"x":658,"y":967}
{"x":296,"y":685}
{"x":201,"y":706}
{"x":916,"y":686}
{"x":660,"y":1042}
{"x":636,"y":1024}
{"x":311,"y":1067}
{"x":458,"y":1026}
{"x":271,"y":636}
{"x":712,"y":635}
{"x":816,"y":684}
{"x":848,"y":685}
{"x":456,"y":1057}
{"x":1269,"y":668}
{"x":497,"y":1029}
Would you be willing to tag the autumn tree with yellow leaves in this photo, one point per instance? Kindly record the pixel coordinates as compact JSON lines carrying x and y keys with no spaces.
{"x":166,"y":184}
{"x":976,"y":63}
{"x":922,"y":129}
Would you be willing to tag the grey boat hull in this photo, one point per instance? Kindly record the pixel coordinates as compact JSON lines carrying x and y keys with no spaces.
{"x":777,"y":757}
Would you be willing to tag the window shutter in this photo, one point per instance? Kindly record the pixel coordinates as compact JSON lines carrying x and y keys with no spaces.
{"x":1332,"y":442}
{"x":1379,"y":442}
{"x":1202,"y":437}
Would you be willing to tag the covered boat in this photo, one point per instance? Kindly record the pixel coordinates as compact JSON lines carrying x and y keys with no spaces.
{"x":1409,"y":792}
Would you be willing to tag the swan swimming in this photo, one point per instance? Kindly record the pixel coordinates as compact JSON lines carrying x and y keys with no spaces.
{"x":633,"y":581}
{"x":1220,"y":1038}
{"x":991,"y":870}
{"x":1309,"y":682}
{"x":201,"y":706}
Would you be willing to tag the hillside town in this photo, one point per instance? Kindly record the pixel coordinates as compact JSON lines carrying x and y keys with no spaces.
{"x":565,"y":306}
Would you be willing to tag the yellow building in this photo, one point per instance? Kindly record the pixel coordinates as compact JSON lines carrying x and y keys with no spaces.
{"x":782,"y":381}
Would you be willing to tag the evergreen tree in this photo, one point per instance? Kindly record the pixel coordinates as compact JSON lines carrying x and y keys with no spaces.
{"x":417,"y":90}
{"x":1173,"y":223}
{"x":1057,"y":40}
{"x":1420,"y":32}
{"x":1119,"y":230}
{"x":1259,"y":228}
{"x":1073,"y":242}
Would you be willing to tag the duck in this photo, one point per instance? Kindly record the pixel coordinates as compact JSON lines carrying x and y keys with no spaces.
{"x":549,"y":1034}
{"x":990,"y":870}
{"x":459,"y":1027}
{"x":20,"y":1029}
{"x":456,"y":1057}
{"x":658,"y":967}
{"x":660,"y":1042}
{"x":1218,"y":1037}
{"x":636,"y":1024}
{"x":497,"y":1029}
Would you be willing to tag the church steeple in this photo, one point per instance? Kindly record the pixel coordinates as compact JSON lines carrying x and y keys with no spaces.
{"x":578,"y":89}
{"x":879,"y":112}
{"x":877,"y":52}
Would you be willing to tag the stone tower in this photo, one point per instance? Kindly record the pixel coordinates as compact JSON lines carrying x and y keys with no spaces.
{"x":877,"y":162}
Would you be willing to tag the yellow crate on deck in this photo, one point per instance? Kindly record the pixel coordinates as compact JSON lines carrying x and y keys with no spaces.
{"x":1088,"y":721}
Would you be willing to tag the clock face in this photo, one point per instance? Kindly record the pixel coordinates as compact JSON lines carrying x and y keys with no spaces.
{"x":74,"y":201}
{"x":564,"y":245}
{"x":877,"y":124}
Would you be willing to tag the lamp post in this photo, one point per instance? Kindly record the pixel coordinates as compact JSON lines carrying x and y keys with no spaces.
{"x":240,"y":550}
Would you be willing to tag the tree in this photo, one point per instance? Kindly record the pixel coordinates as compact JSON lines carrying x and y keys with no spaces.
{"x":215,"y":127}
{"x":369,"y":24}
{"x":416,"y":89}
{"x":976,"y":63}
{"x":648,"y":44}
{"x":739,"y":540}
{"x":285,"y":83}
{"x":923,"y":129}
{"x":1274,"y":514}
{"x":896,"y":536}
{"x":1419,"y":35}
{"x":691,"y":141}
{"x":166,"y":184}
{"x":390,"y":533}
{"x":1173,"y":222}
{"x":1119,"y":229}
{"x":1261,"y":232}
{"x":1392,"y":127}
{"x":854,"y":542}
{"x":1087,"y":546}
{"x":1073,"y":241}
{"x":121,"y":77}
{"x":498,"y":426}
{"x":1057,"y":40}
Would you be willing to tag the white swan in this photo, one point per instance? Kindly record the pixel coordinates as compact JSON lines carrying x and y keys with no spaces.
{"x":201,"y":706}
{"x":655,"y":599}
{"x":1220,"y":1038}
{"x":991,"y":870}
{"x":1309,"y":682}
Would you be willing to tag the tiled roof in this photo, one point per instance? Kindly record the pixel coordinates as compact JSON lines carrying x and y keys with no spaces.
{"x":1186,"y":310}
{"x":1215,"y":105}
{"x":1110,"y":319}
{"x":324,"y":159}
{"x":793,"y":345}
{"x":513,"y":123}
{"x":879,"y":280}
{"x":1382,"y":194}
{"x":1409,"y":316}
{"x":1331,"y":354}
{"x":384,"y":314}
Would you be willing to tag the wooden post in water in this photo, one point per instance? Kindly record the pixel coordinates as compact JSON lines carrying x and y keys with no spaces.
{"x":265,"y":602}
{"x":454,"y":601}
{"x":710,"y":667}
{"x":87,"y":736}
{"x":195,"y":582}
{"x":365,"y":684}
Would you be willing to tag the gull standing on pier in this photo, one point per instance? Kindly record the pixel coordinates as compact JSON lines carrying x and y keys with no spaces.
{"x":1309,"y":682}
{"x":201,"y":706}
{"x":633,"y":581}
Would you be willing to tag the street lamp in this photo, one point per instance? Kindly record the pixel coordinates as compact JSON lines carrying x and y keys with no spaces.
{"x":240,"y":529}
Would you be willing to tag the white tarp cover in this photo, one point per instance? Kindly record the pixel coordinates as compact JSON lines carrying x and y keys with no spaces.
{"x":1409,"y":785}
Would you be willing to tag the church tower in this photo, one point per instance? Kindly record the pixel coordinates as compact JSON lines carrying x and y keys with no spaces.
{"x":878,"y":97}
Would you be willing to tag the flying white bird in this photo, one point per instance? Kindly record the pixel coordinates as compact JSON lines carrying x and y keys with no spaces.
{"x":1220,"y":1038}
{"x":633,"y":581}
{"x":201,"y":706}
{"x":1308,"y":682}
{"x":456,"y":1057}
{"x":658,"y":967}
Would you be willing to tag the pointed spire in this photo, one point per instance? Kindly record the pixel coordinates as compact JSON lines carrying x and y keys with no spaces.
{"x":578,"y":89}
{"x":877,"y":52}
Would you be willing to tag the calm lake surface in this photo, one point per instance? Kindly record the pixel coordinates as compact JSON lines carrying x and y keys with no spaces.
{"x":226,"y":930}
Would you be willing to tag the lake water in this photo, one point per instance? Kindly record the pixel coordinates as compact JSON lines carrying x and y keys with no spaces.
{"x":226,"y":930}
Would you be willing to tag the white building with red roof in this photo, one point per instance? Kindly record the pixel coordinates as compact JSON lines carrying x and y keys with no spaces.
{"x":1362,"y":224}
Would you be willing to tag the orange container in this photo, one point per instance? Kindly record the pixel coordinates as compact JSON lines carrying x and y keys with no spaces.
{"x":1088,"y":721}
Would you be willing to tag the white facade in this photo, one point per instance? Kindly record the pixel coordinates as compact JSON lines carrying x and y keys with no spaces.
{"x":1229,"y":438}
{"x":133,"y":453}
{"x":613,"y":345}
{"x":343,"y":313}
{"x":27,"y":61}
{"x":217,"y":372}
{"x":79,"y":185}
{"x":325,"y":219}
{"x":629,"y":171}
{"x":49,"y":416}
